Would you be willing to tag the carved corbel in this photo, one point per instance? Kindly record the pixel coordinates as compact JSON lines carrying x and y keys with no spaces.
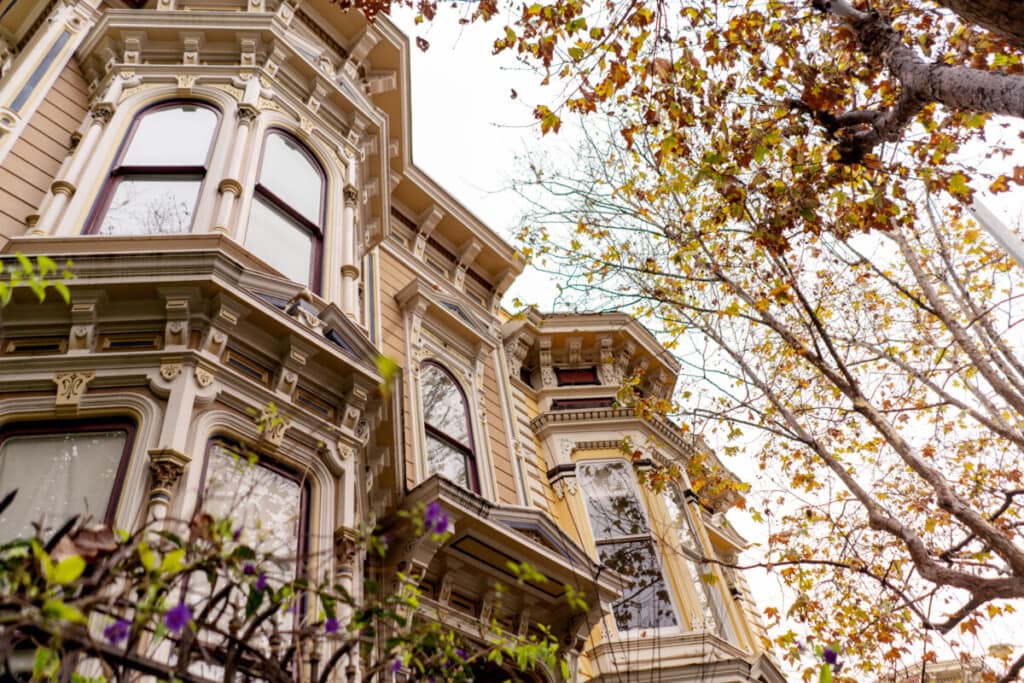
{"x":359,"y":50}
{"x":516,"y":351}
{"x":574,"y":350}
{"x":84,"y":310}
{"x":176,"y":312}
{"x":273,"y":426}
{"x":346,"y":548}
{"x":71,"y":387}
{"x":224,"y":319}
{"x":191,"y":44}
{"x":425,"y":225}
{"x":606,"y":361}
{"x":547,"y":372}
{"x":133,"y":44}
{"x":317,"y":93}
{"x":381,"y":81}
{"x":352,"y":421}
{"x":467,"y":254}
{"x":166,"y":466}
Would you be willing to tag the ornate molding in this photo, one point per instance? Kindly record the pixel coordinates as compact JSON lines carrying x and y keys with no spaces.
{"x":71,"y":387}
{"x":566,"y":486}
{"x":204,"y":377}
{"x":166,"y":466}
{"x":169,"y":369}
{"x":351,"y":195}
{"x":102,"y":113}
{"x":246,"y":114}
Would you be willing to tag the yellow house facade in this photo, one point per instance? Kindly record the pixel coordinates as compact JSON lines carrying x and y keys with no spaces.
{"x":233,"y":182}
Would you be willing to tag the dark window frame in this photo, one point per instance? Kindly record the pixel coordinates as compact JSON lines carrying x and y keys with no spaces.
{"x":276,"y":203}
{"x":84,"y":426}
{"x":119,"y":172}
{"x":467,"y":450}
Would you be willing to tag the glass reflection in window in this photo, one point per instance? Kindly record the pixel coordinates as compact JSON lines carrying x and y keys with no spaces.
{"x":624,"y":543}
{"x":711,"y":615}
{"x":286,"y":224}
{"x":154,"y":186}
{"x":58,"y":475}
{"x":446,"y":424}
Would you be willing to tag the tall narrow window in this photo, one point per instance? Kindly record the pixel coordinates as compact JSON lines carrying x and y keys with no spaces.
{"x":286,"y":225}
{"x":624,"y":543}
{"x":59,"y":473}
{"x":710,"y":613}
{"x":446,"y":423}
{"x":264,"y":501}
{"x":154,"y":185}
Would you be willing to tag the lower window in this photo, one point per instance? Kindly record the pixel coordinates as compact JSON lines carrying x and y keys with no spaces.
{"x":61,"y":471}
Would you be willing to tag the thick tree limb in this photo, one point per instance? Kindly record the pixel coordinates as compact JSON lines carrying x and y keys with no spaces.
{"x":1004,"y":18}
{"x":956,"y":87}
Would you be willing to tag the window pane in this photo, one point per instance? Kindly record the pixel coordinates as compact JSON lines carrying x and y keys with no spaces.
{"x":448,"y":462}
{"x":709,"y":615}
{"x":264,"y":503}
{"x":612,"y":504}
{"x":288,"y":172}
{"x":646,"y":603}
{"x":151,"y":205}
{"x":172,"y":136}
{"x":443,"y":406}
{"x":57,"y":476}
{"x":279,"y":241}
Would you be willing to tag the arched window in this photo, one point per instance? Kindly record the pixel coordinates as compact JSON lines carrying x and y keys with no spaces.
{"x":286,"y":224}
{"x":154,"y":185}
{"x":711,"y":614}
{"x":446,"y":423}
{"x":624,"y":543}
{"x":61,"y":470}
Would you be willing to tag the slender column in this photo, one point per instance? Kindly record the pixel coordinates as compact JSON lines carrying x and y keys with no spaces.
{"x":52,"y":211}
{"x":349,"y":268}
{"x":230,"y":187}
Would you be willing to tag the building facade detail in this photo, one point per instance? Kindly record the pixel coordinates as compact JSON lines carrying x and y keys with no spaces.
{"x":261,"y":269}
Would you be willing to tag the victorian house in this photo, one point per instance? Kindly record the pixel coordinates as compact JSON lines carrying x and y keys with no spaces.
{"x":232,"y":180}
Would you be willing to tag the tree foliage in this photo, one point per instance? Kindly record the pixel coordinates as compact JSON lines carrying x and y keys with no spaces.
{"x":880,"y":375}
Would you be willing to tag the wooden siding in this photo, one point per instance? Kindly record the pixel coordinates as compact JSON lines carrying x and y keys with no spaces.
{"x":504,"y":477}
{"x":32,"y":163}
{"x":394,"y":275}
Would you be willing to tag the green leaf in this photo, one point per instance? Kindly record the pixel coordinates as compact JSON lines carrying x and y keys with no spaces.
{"x":54,"y":608}
{"x":146,"y":557}
{"x":173,"y":561}
{"x":68,"y":569}
{"x":826,"y":674}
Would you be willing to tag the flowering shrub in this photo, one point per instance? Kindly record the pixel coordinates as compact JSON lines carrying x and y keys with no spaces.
{"x":89,"y":604}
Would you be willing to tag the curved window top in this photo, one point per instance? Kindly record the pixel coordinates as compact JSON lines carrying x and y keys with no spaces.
{"x":292,"y":176}
{"x":153,"y":187}
{"x":173,"y":135}
{"x":444,"y":406}
{"x":286,"y":223}
{"x":446,"y":423}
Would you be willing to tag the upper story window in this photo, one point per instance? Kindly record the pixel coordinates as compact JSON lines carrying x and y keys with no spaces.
{"x":577,"y":377}
{"x":154,"y":185}
{"x":446,"y":423}
{"x":624,"y":543}
{"x":286,"y":225}
{"x":60,"y":472}
{"x":712,"y":611}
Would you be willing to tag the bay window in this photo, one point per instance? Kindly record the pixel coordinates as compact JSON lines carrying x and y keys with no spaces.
{"x":446,"y":425}
{"x":286,"y":223}
{"x":622,"y":534}
{"x":154,"y":185}
{"x":711,"y":611}
{"x":59,"y":472}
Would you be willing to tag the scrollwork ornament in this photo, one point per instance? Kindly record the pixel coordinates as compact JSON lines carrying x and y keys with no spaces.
{"x":71,"y":386}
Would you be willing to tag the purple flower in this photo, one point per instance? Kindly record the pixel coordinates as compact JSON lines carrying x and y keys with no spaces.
{"x":435,"y":520}
{"x":261,"y":582}
{"x":117,"y":631}
{"x":177,"y":618}
{"x":237,"y":534}
{"x":831,"y":656}
{"x":396,"y":666}
{"x":331,"y":625}
{"x":248,"y":569}
{"x":460,"y":653}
